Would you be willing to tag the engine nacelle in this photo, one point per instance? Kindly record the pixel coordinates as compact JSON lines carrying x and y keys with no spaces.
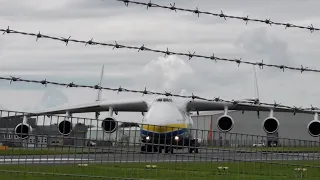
{"x":23,"y":130}
{"x":109,"y":125}
{"x":270,"y":125}
{"x":65,"y":127}
{"x":314,"y":128}
{"x":225,"y":123}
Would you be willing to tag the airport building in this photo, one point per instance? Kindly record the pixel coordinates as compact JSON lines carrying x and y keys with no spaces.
{"x":293,"y":127}
{"x":41,"y":136}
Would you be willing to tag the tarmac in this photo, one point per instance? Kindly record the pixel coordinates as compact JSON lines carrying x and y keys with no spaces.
{"x":179,"y":156}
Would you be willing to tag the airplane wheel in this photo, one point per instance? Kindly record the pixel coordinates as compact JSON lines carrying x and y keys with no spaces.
{"x":143,"y":149}
{"x":166,"y":150}
{"x":149,"y":148}
{"x":155,"y":148}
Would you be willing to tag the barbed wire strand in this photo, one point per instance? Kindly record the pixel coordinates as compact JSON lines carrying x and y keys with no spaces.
{"x":146,"y":92}
{"x":221,"y":15}
{"x":166,"y":53}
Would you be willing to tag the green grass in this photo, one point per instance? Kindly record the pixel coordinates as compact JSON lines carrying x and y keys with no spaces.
{"x":173,"y":170}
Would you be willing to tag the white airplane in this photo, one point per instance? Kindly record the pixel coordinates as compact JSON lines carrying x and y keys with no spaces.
{"x":166,"y":119}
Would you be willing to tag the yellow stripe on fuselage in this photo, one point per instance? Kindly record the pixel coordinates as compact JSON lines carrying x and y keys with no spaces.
{"x":163,"y":128}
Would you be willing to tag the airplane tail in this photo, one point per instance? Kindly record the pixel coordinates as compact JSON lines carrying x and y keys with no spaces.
{"x":100,"y":84}
{"x":99,"y":91}
{"x":256,"y":97}
{"x":256,"y":89}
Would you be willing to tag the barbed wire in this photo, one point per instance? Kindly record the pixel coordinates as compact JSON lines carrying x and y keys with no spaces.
{"x":146,"y":92}
{"x":166,"y":53}
{"x":221,"y":15}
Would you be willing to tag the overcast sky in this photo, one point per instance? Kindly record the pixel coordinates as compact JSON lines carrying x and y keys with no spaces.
{"x":110,"y":20}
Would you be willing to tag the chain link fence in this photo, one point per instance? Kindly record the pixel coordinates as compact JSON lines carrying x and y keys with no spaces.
{"x":50,"y":148}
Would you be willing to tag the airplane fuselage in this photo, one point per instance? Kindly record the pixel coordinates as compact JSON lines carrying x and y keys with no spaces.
{"x":166,"y":123}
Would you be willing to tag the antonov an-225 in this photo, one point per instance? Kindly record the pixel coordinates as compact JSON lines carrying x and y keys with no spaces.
{"x":167,"y":120}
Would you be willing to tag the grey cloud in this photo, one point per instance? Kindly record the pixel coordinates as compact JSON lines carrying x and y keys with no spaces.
{"x":108,"y":21}
{"x":260,"y":42}
{"x":53,"y":97}
{"x":70,"y":10}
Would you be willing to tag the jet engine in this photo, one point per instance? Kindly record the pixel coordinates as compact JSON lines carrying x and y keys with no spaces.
{"x":23,"y":130}
{"x":225,"y":123}
{"x":109,"y":125}
{"x":270,"y":125}
{"x":65,"y":127}
{"x":314,"y":126}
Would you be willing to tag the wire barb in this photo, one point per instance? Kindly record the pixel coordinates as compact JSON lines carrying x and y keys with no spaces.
{"x":166,"y":53}
{"x":13,"y":79}
{"x":191,"y":55}
{"x":197,"y":11}
{"x":149,"y":5}
{"x":7,"y":30}
{"x":66,"y":40}
{"x":38,"y":36}
{"x":221,"y":15}
{"x":44,"y":82}
{"x":246,"y":19}
{"x":173,"y":7}
{"x":71,"y":85}
{"x":141,"y":48}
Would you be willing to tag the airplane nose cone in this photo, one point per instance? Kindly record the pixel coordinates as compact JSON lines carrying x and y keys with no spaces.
{"x":163,"y":114}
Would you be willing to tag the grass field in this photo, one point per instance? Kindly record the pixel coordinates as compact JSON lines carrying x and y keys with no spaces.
{"x":173,"y":170}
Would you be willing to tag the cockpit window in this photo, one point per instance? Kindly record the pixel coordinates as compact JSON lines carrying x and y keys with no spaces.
{"x":164,"y":100}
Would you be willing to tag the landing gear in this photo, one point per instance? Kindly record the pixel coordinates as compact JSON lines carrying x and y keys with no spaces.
{"x":146,"y":148}
{"x":155,"y":149}
{"x":195,"y":150}
{"x":192,"y":146}
{"x":150,"y":148}
{"x":167,"y":149}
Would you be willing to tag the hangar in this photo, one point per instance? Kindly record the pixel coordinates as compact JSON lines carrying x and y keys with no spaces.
{"x":292,"y":129}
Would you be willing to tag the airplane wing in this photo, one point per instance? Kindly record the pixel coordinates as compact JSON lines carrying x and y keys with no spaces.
{"x":99,"y":106}
{"x":202,"y":105}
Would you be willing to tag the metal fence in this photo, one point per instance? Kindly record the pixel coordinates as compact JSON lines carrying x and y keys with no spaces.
{"x":55,"y":150}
